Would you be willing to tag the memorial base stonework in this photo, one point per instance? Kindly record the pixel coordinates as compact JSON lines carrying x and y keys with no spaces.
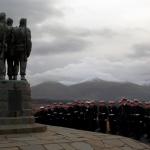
{"x":16,"y":108}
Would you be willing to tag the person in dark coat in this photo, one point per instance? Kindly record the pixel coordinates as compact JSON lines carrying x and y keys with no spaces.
{"x":102,"y":116}
{"x":125,"y":118}
{"x":113,"y":116}
{"x":147,"y":119}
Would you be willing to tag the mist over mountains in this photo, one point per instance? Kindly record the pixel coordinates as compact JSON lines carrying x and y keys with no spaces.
{"x":96,"y":89}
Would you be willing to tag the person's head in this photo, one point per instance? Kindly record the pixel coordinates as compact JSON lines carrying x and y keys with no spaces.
{"x":9,"y":21}
{"x":2,"y":17}
{"x":23,"y":22}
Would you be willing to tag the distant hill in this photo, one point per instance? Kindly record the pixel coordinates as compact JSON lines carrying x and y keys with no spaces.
{"x":50,"y":90}
{"x":95,"y":89}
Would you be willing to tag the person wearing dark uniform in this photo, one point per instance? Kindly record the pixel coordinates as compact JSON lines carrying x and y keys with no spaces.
{"x":123,"y":115}
{"x":137,"y":117}
{"x":94,"y":114}
{"x":41,"y":115}
{"x":82,"y":115}
{"x":128,"y":118}
{"x":147,"y":119}
{"x":102,"y":116}
{"x":112,"y":115}
{"x":22,"y":43}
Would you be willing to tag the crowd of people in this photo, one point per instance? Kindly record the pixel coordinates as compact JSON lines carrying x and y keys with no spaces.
{"x":129,"y":118}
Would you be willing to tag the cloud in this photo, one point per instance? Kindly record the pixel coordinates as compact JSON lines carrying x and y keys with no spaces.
{"x":85,"y":69}
{"x":59,"y":46}
{"x":55,"y":38}
{"x":60,"y":30}
{"x":73,"y":41}
{"x":90,"y":68}
{"x":140,"y":51}
{"x":114,"y":65}
{"x":34,"y":10}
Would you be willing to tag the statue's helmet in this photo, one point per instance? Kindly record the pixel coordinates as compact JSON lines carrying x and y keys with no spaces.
{"x":9,"y":21}
{"x":23,"y":22}
{"x":2,"y":17}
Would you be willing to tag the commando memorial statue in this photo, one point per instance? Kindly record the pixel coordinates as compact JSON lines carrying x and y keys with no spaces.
{"x":15,"y":95}
{"x":15,"y":48}
{"x":9,"y":52}
{"x":22,"y":48}
{"x":3,"y":48}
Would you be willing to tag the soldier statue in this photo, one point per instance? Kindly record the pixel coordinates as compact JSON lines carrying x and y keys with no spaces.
{"x":9,"y":53}
{"x":22,"y":48}
{"x":3,"y":45}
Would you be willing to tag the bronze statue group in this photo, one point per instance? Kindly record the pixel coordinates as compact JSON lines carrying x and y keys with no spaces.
{"x":15,"y":48}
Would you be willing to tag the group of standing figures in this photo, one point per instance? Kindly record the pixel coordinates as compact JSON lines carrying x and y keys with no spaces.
{"x":15,"y":47}
{"x":129,"y":118}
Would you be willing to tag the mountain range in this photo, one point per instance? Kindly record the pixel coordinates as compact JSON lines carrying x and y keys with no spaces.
{"x":95,"y":89}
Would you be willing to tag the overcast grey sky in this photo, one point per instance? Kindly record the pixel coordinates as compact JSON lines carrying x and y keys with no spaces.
{"x":79,"y":40}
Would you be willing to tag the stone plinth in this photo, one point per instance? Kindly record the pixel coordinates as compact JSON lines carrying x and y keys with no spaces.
{"x":16,"y":107}
{"x":15,"y":99}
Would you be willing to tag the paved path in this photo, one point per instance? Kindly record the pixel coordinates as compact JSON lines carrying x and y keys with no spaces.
{"x":59,"y":138}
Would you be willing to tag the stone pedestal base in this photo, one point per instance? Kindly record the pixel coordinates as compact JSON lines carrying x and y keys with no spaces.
{"x":16,"y":120}
{"x":22,"y":128}
{"x":16,"y":109}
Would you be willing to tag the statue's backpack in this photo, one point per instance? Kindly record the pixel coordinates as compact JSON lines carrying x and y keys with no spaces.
{"x":22,"y":38}
{"x":19,"y":39}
